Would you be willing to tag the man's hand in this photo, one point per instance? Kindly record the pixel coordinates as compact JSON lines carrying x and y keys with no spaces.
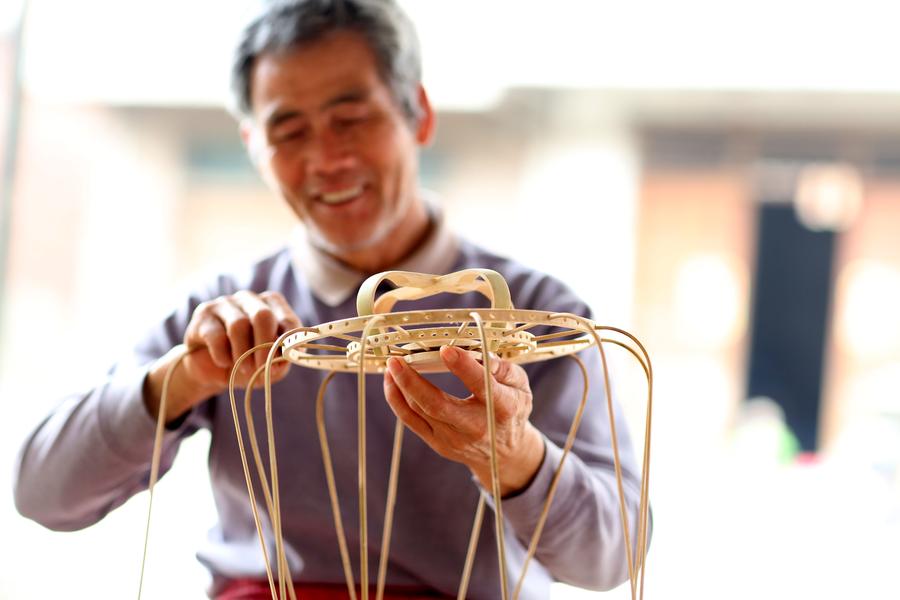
{"x":219,"y":332}
{"x":457,"y":428}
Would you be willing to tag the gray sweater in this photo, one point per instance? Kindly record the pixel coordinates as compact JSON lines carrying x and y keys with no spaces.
{"x":93,"y":453}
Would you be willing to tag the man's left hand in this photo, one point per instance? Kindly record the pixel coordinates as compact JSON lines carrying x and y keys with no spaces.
{"x":457,"y":428}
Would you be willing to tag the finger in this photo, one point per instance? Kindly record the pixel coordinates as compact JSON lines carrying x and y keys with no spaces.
{"x":237,"y":328}
{"x":263,"y":323}
{"x":404,"y":411}
{"x":206,"y":330}
{"x":284,"y":314}
{"x":508,"y":373}
{"x":431,"y":400}
{"x":469,"y":370}
{"x":279,"y":369}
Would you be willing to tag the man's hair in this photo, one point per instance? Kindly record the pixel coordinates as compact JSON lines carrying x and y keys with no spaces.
{"x":283,"y":25}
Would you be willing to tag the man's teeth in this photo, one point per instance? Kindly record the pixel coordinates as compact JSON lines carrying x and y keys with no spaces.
{"x":341,"y":195}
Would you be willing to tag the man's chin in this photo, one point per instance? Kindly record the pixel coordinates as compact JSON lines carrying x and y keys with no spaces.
{"x":343,"y":246}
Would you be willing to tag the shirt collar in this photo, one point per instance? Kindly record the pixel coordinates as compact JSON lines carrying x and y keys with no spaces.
{"x":333,"y":282}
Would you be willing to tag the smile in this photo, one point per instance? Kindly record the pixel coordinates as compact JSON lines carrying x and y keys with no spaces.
{"x":341,"y":196}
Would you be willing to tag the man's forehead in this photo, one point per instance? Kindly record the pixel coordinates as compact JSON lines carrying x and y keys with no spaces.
{"x":280,"y":112}
{"x":314,"y":77}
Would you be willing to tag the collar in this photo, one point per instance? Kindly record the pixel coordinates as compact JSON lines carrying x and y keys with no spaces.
{"x":333,"y":282}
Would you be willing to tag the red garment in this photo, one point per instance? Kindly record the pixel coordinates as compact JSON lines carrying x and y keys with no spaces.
{"x":255,"y":589}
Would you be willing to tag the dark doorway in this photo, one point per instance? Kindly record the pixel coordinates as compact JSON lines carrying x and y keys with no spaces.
{"x":790,"y":312}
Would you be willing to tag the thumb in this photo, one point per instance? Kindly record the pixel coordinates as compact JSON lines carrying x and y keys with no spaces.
{"x":469,"y":370}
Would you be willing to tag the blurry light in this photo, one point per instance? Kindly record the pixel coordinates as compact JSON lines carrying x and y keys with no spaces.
{"x":10,"y":13}
{"x":463,"y":94}
{"x":473,"y":51}
{"x":574,"y":180}
{"x":868,"y":434}
{"x":870,"y":323}
{"x":709,"y":305}
{"x":829,"y":196}
{"x":761,"y":436}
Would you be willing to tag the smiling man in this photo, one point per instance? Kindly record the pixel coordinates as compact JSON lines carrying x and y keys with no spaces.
{"x":333,"y":143}
{"x":333,"y":113}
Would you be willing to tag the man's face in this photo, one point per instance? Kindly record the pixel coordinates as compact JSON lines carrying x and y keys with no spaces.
{"x":329,"y":137}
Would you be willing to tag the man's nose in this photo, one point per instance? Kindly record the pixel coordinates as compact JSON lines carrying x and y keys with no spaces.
{"x":329,"y":156}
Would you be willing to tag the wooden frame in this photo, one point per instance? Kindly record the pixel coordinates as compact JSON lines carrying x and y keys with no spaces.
{"x":363,"y":345}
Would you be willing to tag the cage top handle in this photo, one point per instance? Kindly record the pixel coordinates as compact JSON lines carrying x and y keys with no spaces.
{"x":413,"y":286}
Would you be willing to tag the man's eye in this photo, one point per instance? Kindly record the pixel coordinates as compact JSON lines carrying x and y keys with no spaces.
{"x":290,"y":135}
{"x":348,"y":122}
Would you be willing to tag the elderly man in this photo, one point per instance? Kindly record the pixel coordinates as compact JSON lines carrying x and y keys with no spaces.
{"x":333,"y":113}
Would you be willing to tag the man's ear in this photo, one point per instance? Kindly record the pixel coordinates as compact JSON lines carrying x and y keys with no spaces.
{"x":253,"y":141}
{"x":426,"y":126}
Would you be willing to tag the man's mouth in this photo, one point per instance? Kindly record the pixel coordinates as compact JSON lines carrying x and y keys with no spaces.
{"x":340,"y":196}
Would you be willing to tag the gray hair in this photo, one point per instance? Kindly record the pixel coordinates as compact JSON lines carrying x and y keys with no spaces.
{"x":286,"y":24}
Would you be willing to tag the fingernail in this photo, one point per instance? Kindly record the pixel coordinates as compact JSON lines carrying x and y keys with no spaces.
{"x":449,"y":354}
{"x":394,"y":366}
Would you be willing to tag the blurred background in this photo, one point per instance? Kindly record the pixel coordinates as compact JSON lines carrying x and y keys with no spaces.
{"x":720,"y":178}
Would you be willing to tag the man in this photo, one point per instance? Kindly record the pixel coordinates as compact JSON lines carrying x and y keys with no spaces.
{"x":333,"y":112}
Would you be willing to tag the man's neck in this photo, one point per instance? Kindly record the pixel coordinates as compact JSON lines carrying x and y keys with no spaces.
{"x":399,"y":243}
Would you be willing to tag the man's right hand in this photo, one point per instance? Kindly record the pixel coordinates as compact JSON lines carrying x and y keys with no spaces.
{"x":219,"y":332}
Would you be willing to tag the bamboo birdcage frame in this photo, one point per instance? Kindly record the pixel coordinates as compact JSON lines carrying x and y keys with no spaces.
{"x":363,"y":344}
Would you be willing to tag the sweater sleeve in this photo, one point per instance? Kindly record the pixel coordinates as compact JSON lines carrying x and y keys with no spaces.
{"x":582,"y":542}
{"x":92,"y":453}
